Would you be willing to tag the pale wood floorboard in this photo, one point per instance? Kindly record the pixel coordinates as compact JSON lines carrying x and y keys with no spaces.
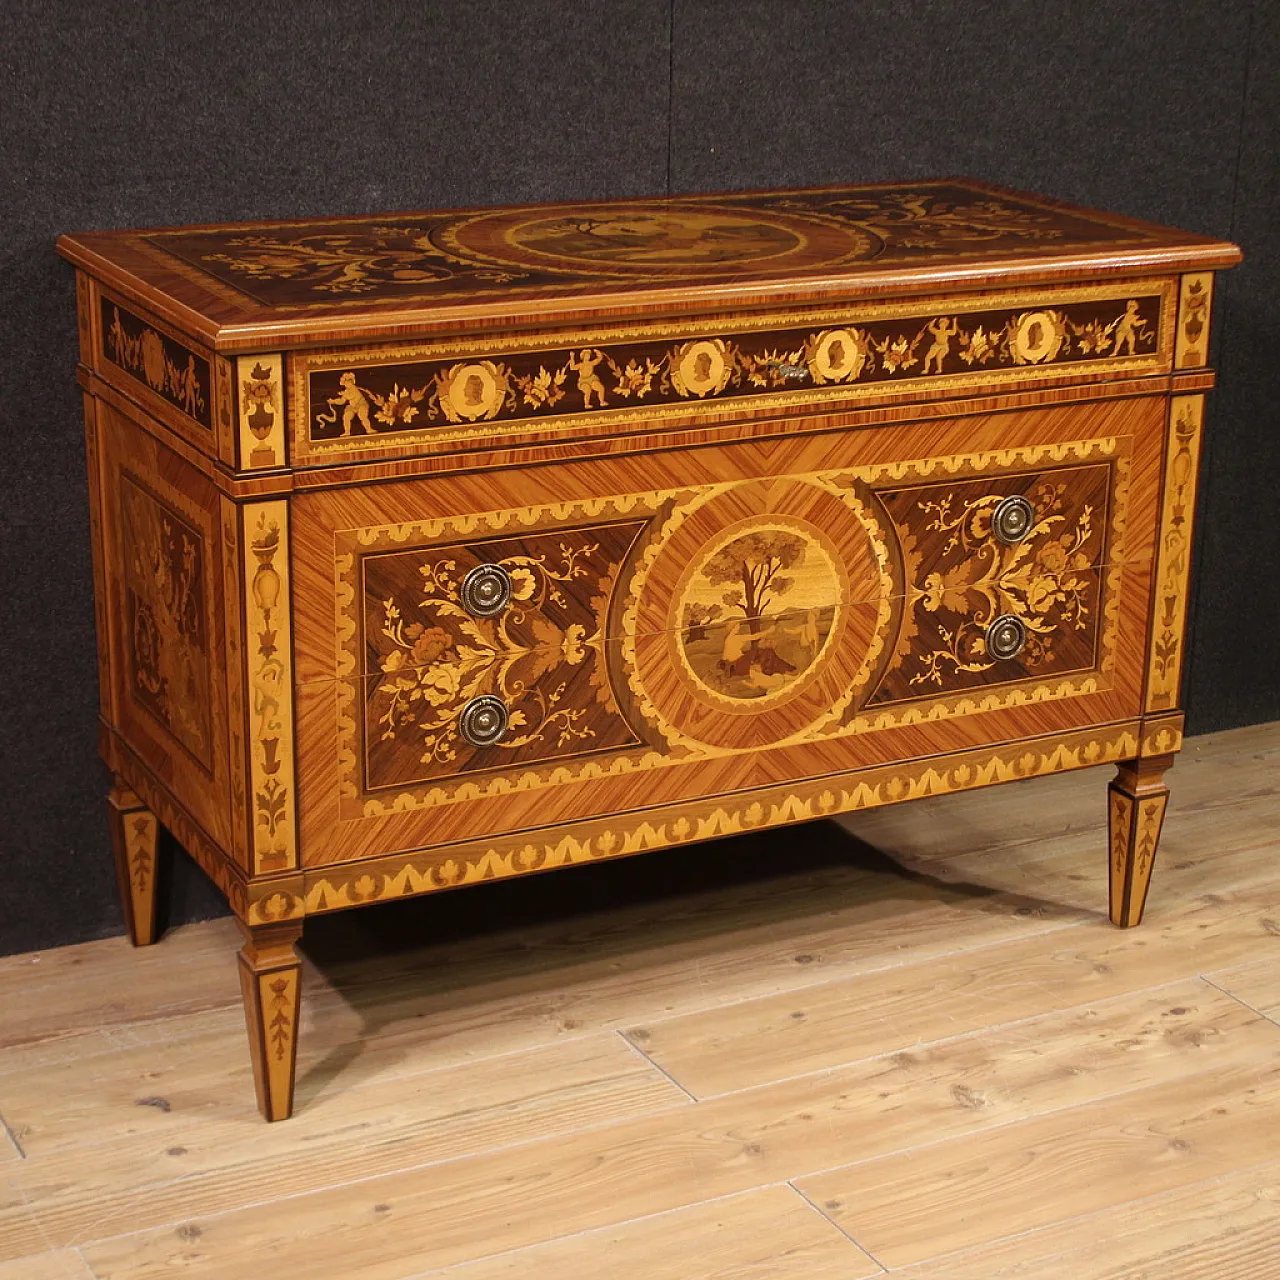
{"x":947,"y":1064}
{"x":1225,"y":1229}
{"x":65,"y":1264}
{"x":768,"y":1234}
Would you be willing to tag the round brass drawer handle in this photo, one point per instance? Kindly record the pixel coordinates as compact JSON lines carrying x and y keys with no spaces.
{"x":486,"y":590}
{"x":1006,"y":637}
{"x":483,"y":721}
{"x":1013,"y":519}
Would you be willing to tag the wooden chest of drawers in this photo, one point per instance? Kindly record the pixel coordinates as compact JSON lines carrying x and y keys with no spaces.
{"x":434,"y":548}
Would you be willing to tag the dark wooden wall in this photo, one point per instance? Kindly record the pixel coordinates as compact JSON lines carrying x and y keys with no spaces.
{"x":118,"y":114}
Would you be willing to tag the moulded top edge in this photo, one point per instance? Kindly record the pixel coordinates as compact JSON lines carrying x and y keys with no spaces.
{"x":288,"y":284}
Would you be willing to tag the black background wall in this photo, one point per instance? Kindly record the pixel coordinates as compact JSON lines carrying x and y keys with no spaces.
{"x":118,"y":114}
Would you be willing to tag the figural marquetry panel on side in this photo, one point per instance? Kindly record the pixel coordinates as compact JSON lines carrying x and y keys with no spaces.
{"x":443,"y":547}
{"x":157,"y":362}
{"x":165,"y":682}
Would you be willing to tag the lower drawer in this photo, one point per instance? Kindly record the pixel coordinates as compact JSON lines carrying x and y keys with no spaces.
{"x":942,"y":585}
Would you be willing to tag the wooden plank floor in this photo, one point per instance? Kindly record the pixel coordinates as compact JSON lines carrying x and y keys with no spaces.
{"x":916,"y":1048}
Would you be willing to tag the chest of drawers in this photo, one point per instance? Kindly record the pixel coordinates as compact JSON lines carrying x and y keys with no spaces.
{"x":436,"y":548}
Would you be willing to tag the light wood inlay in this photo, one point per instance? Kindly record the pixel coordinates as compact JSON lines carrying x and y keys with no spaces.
{"x":1195,"y":308}
{"x":260,"y":396}
{"x":1173,"y":567}
{"x":264,"y":534}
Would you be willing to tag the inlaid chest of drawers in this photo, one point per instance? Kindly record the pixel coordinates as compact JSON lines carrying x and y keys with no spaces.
{"x":434,"y":548}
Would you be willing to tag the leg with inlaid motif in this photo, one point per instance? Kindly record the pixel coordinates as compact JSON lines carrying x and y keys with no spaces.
{"x":1136,"y":806}
{"x":271,"y":979}
{"x":134,"y":836}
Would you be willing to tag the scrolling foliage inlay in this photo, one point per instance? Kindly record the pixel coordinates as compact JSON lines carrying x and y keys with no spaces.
{"x":962,"y":577}
{"x":409,"y":657}
{"x":1174,"y":562}
{"x":267,"y":612}
{"x":543,"y":655}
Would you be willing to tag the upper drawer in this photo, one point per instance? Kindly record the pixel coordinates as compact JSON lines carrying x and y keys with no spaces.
{"x":352,"y":404}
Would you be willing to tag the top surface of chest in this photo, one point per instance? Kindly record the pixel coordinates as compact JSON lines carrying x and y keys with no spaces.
{"x":282,"y":284}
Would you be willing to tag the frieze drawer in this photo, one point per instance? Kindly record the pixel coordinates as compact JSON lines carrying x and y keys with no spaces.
{"x":442,"y":547}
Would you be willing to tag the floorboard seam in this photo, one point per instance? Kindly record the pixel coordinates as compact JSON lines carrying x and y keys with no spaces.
{"x":349,"y":1182}
{"x":907,"y":963}
{"x":635,"y":1048}
{"x":591,"y":1231}
{"x":847,"y":1235}
{"x":35,"y":1220}
{"x":1231,"y":995}
{"x":249,"y":1111}
{"x":13,"y":1137}
{"x":84,"y":1262}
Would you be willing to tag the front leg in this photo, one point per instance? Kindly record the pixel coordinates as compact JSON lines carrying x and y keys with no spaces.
{"x":135,"y":834}
{"x":1137,"y":801}
{"x":271,"y":979}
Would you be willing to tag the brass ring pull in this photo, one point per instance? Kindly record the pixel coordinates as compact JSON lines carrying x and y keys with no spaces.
{"x":1006,"y":637}
{"x":1013,"y":519}
{"x":483,"y":721}
{"x":486,"y":590}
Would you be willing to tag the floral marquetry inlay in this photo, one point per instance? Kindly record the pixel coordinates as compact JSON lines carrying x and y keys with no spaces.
{"x":647,"y":630}
{"x":543,"y":654}
{"x":1174,"y":556}
{"x":1195,"y":301}
{"x":963,"y":577}
{"x":262,"y":433}
{"x":549,"y":249}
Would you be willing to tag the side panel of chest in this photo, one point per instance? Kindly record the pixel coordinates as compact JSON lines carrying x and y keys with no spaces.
{"x":169,"y":670}
{"x":696,"y":622}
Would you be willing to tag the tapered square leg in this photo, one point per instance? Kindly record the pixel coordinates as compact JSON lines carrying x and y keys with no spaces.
{"x":271,"y":980}
{"x":1136,"y":805}
{"x":135,"y":834}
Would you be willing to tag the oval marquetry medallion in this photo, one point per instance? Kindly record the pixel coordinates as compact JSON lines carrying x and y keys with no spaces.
{"x":658,"y":239}
{"x":760,"y":612}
